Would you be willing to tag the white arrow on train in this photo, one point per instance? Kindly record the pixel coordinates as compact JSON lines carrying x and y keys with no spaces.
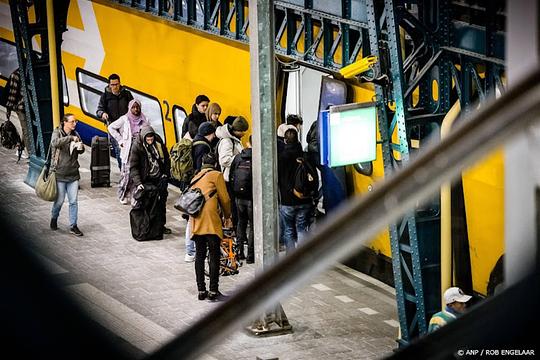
{"x":86,"y":44}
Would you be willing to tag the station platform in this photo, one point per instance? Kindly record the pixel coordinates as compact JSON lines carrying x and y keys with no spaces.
{"x":144,"y":293}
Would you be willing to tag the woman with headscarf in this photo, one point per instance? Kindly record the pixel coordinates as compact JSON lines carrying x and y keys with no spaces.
{"x":125,"y":130}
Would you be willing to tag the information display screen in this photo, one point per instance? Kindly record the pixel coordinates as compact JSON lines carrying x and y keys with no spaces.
{"x":348,"y":134}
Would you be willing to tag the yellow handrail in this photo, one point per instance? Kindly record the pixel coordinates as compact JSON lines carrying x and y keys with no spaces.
{"x":446,"y":211}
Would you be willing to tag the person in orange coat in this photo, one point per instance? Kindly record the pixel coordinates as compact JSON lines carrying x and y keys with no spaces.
{"x":207,"y":226}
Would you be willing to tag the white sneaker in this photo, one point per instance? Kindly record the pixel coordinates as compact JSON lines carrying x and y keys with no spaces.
{"x":189,"y":258}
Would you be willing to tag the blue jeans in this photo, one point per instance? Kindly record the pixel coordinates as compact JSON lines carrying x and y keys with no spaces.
{"x":116,"y":149}
{"x":190,"y":244}
{"x":72,"y":190}
{"x":296,"y":221}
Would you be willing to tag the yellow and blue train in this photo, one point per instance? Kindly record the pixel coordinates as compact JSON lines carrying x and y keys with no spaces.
{"x":166,"y":65}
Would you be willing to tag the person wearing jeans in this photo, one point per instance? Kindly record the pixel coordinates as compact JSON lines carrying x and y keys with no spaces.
{"x":70,"y":188}
{"x":295,"y":213}
{"x":296,"y":221}
{"x":66,"y":146}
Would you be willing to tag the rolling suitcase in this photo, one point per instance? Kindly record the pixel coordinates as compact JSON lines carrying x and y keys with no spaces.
{"x":100,"y":163}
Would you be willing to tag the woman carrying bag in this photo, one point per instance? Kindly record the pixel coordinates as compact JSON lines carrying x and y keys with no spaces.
{"x":67,"y":144}
{"x":207,"y":227}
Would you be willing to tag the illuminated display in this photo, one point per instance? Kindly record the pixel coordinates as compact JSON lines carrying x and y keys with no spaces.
{"x":348,"y":134}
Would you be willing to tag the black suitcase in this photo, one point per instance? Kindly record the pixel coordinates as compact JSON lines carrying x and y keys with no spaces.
{"x":100,"y":163}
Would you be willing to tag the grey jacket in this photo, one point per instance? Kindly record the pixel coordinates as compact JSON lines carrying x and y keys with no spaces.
{"x":67,"y":168}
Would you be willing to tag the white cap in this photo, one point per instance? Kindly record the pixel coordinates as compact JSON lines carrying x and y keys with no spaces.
{"x":454,"y":294}
{"x":284,"y":127}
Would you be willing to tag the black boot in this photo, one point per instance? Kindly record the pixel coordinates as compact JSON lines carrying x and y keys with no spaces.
{"x":54,"y":224}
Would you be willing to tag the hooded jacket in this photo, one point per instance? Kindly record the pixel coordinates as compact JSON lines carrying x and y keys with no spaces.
{"x":228,"y":147}
{"x":67,"y":167}
{"x":138,"y":160}
{"x":114,"y":105}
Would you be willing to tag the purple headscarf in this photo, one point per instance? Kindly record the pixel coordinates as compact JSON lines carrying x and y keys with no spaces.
{"x":136,"y":122}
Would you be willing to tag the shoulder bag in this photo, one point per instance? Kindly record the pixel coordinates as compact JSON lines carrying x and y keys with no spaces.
{"x":192,"y":200}
{"x":46,"y":188}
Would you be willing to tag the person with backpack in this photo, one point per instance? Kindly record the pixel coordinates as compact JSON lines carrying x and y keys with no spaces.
{"x":113,"y":103}
{"x":15,"y":102}
{"x":196,"y":118}
{"x":241,"y":178}
{"x":228,"y":147}
{"x":202,"y":143}
{"x":207,"y":225}
{"x":296,"y":201}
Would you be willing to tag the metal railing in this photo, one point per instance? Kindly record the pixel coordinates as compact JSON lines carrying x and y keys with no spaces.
{"x":359,"y":220}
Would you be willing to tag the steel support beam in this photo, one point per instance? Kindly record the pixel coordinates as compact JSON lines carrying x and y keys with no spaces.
{"x":35,"y":74}
{"x":265,"y":189}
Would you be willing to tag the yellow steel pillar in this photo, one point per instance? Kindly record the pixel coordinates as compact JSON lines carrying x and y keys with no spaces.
{"x":51,"y":31}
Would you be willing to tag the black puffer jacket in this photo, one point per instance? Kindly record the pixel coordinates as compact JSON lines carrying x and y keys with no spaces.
{"x":114,"y":105}
{"x":287,"y":166}
{"x":192,"y":122}
{"x":138,"y":160}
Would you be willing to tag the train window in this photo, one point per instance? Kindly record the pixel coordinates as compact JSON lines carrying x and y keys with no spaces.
{"x":9,"y":63}
{"x":91,"y":86}
{"x":179,"y":114}
{"x":8,"y":58}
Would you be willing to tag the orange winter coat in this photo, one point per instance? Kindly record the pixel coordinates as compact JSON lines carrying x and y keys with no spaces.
{"x":215,"y":208}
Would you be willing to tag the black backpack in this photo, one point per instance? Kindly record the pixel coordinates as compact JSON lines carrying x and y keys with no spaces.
{"x":305,"y":181}
{"x":9,"y":137}
{"x":242,"y":181}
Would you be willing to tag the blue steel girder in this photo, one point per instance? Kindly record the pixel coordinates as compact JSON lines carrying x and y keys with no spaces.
{"x":310,"y":36}
{"x":34,"y":69}
{"x":407,"y":282}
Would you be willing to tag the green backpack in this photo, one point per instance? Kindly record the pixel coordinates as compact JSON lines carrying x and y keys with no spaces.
{"x":182,"y":160}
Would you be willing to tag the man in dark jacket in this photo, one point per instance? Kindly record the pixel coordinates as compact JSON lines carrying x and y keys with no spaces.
{"x":150,"y":165}
{"x":295,"y":213}
{"x":240,"y":177}
{"x":197,"y":117}
{"x":114,"y":103}
{"x":202,"y":143}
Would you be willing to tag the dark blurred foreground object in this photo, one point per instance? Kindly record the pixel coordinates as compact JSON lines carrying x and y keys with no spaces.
{"x":38,"y":320}
{"x":506,"y":324}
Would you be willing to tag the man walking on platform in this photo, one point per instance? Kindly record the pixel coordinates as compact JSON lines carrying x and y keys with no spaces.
{"x":113,"y":104}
